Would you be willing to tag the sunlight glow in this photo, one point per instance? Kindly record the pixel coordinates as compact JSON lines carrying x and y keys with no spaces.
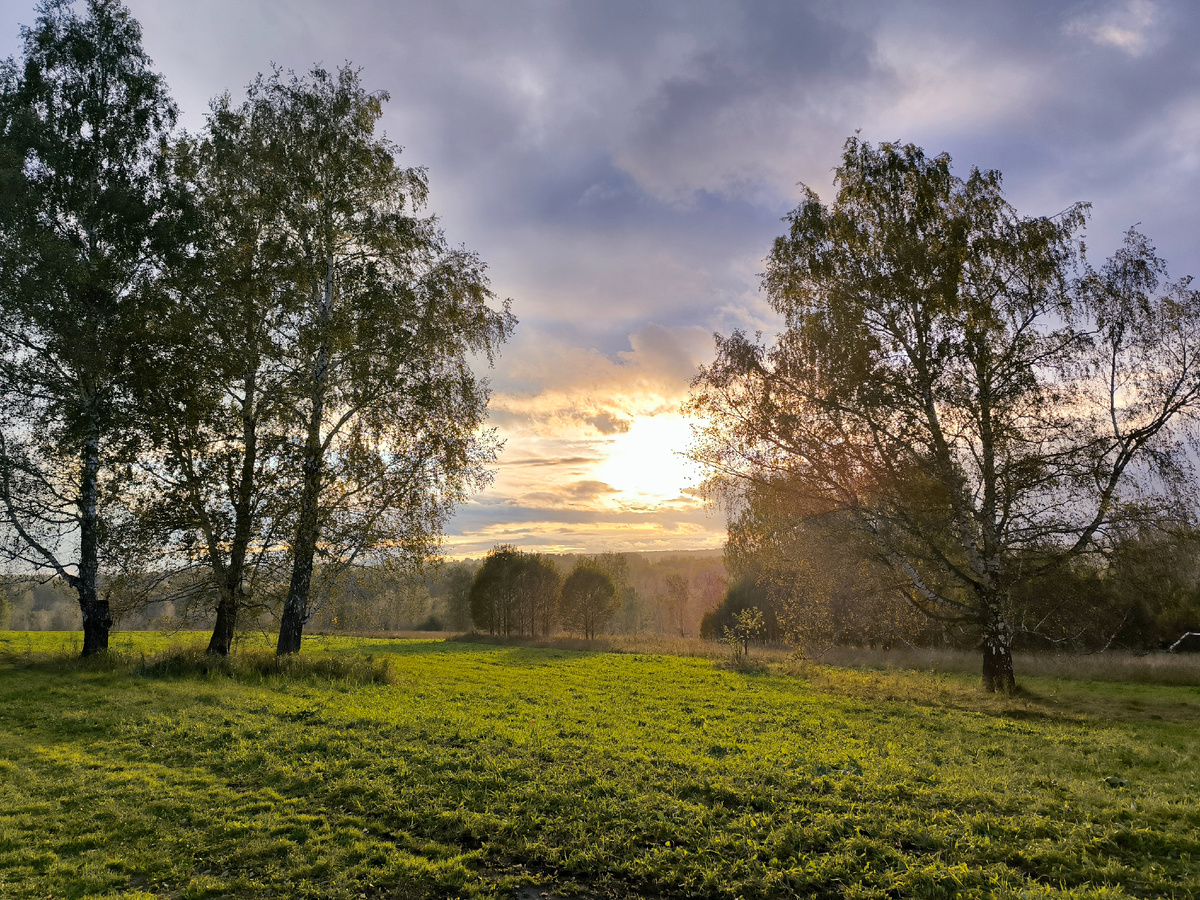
{"x":645,"y":464}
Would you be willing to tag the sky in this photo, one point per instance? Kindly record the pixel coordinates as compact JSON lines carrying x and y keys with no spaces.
{"x":623,"y":167}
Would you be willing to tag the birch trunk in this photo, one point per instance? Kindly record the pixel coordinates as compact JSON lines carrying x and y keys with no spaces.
{"x":221,"y":642}
{"x":295,"y":608}
{"x":997,"y":634}
{"x":97,"y":618}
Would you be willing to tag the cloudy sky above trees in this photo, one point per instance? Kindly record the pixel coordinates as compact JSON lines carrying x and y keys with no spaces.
{"x":623,"y":167}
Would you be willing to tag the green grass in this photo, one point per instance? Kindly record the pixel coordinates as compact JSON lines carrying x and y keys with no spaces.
{"x":381,"y":769}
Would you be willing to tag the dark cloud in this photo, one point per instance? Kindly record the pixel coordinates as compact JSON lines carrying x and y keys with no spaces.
{"x":760,"y":79}
{"x":607,"y":423}
{"x":588,"y":490}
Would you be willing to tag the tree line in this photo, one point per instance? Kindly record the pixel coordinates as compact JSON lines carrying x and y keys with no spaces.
{"x":516,"y":592}
{"x":519,"y":593}
{"x":657,"y":593}
{"x":235,"y":365}
{"x":818,"y":587}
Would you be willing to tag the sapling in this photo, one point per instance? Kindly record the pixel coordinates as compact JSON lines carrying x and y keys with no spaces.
{"x":747,"y":625}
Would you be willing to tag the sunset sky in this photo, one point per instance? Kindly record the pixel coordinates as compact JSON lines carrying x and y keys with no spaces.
{"x":623,"y":167}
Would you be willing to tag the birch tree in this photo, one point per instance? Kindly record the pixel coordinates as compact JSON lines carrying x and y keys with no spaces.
{"x":383,"y":319}
{"x":215,"y":504}
{"x":589,"y":599}
{"x":958,"y":383}
{"x":90,"y":213}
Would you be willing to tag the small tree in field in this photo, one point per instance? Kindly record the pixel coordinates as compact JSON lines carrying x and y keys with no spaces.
{"x":589,"y":599}
{"x":748,"y":625}
{"x":954,"y":382}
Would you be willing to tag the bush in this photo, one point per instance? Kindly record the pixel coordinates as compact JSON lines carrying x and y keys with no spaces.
{"x":745,"y":593}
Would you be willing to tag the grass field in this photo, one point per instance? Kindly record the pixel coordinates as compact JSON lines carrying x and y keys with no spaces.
{"x":375,"y":769}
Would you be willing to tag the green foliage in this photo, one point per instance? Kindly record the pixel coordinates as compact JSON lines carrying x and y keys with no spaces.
{"x":453,"y":586}
{"x":631,"y":616}
{"x":822,"y":584}
{"x":218,"y":492}
{"x":748,"y":591}
{"x":957,"y":386}
{"x":478,"y":770}
{"x":748,"y":625}
{"x":384,"y":317}
{"x":589,"y":599}
{"x":1153,"y":585}
{"x":92,"y":211}
{"x":515,"y":592}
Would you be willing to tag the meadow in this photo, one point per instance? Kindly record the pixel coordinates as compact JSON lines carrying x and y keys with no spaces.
{"x":377,"y":768}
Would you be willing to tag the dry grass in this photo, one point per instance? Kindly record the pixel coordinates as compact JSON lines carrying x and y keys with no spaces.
{"x":652,"y":644}
{"x":411,"y":635}
{"x":256,"y":665}
{"x":1115,"y":666}
{"x":1149,"y":668}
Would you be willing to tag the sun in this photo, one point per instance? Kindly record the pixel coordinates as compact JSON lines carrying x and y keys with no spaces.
{"x":645,"y":464}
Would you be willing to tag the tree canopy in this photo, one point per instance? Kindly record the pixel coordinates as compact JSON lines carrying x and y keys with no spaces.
{"x":91,"y":212}
{"x":958,"y":382}
{"x":589,"y":599}
{"x":384,"y":316}
{"x":515,"y":592}
{"x":229,"y":356}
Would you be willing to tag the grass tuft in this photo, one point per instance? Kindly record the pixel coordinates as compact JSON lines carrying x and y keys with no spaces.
{"x":261,"y":664}
{"x":193,"y":662}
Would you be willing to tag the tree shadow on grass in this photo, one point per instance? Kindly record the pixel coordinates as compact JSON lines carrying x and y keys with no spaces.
{"x":349,"y":645}
{"x":535,"y":658}
{"x":1036,"y":700}
{"x":335,"y":660}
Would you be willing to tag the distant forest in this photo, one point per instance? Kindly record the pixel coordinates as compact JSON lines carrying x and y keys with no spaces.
{"x":664,"y":593}
{"x":1143,"y":598}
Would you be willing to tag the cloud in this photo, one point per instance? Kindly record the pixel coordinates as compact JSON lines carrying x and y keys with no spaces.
{"x":950,"y":82}
{"x":593,"y":437}
{"x":588,"y":490}
{"x":587,"y":495}
{"x":552,"y":461}
{"x":1129,"y":27}
{"x":623,"y":168}
{"x":548,"y":387}
{"x":607,"y":423}
{"x":562,"y":532}
{"x":745,"y":104}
